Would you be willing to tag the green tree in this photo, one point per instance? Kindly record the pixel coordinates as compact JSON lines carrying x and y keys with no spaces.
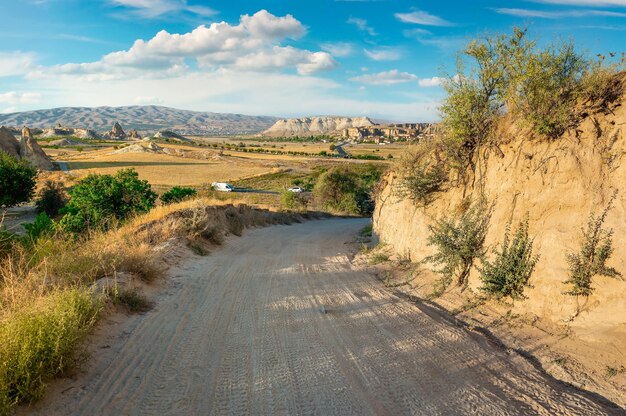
{"x":177,"y":194}
{"x":99,"y":201}
{"x":347,"y":191}
{"x":51,"y":198}
{"x":17,"y":181}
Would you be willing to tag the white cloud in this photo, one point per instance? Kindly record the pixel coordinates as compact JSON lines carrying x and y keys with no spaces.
{"x":339,"y":49}
{"x":9,"y":110}
{"x":156,"y":8}
{"x":362,"y":25}
{"x":383,"y":54}
{"x":236,"y":91}
{"x":385,"y":78}
{"x":142,"y":100}
{"x":420,"y":17}
{"x":541,"y":14}
{"x":16,"y":63}
{"x":431,"y":82}
{"x":396,"y":77}
{"x":13,"y":98}
{"x":253,"y":44}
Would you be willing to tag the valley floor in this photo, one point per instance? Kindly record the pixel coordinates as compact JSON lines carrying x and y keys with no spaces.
{"x":280,"y":322}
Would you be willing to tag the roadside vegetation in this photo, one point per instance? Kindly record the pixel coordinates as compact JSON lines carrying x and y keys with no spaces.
{"x":508,"y":273}
{"x":547,"y":90}
{"x":543,"y":90}
{"x":459,"y":242}
{"x":596,"y":247}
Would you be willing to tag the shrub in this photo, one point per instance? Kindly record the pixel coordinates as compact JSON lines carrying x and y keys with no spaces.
{"x":292,"y":200}
{"x":42,"y":225}
{"x":341,"y":190}
{"x":422,"y":182}
{"x":51,"y":198}
{"x":38,"y":342}
{"x":547,"y":87}
{"x":595,"y":251}
{"x":177,"y":194}
{"x":459,"y":242}
{"x":17,"y":181}
{"x":513,"y":264}
{"x":99,"y":201}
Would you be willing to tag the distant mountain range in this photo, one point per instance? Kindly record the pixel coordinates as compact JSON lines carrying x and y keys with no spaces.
{"x":143,"y":118}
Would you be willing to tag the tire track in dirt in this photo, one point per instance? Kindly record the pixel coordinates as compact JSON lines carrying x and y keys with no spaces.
{"x":278,"y":322}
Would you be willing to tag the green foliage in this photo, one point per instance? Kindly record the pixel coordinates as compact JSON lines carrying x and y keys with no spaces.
{"x":332,"y":147}
{"x":547,"y":87}
{"x":292,"y":200}
{"x":512,"y":266}
{"x":51,"y":198}
{"x":17,"y":181}
{"x":99,"y":201}
{"x":421,"y":182}
{"x":596,"y":249}
{"x":38,"y":342}
{"x":366,"y":231}
{"x":177,"y":194}
{"x":42,"y":226}
{"x":347,"y":191}
{"x":378,"y":258}
{"x":459,"y":242}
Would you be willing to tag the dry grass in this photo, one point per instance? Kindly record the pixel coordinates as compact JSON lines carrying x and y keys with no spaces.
{"x":166,"y":170}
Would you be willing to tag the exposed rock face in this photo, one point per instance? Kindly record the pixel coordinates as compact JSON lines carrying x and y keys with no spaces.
{"x":32,"y":152}
{"x":60,"y":131}
{"x":138,"y":148}
{"x":315,"y":125}
{"x":8,"y":143}
{"x":557,"y":183}
{"x":117,"y":132}
{"x":64,"y":143}
{"x":134,"y":134}
{"x":167,"y":134}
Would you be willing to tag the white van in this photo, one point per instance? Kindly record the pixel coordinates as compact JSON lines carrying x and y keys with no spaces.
{"x":223,"y":187}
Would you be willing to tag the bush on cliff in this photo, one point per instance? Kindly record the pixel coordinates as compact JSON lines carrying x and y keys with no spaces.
{"x":510,"y":270}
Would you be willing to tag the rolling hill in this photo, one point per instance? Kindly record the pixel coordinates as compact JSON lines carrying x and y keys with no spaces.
{"x":143,"y":118}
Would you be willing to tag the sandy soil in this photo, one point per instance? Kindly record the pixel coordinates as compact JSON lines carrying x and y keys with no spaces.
{"x":279,"y":322}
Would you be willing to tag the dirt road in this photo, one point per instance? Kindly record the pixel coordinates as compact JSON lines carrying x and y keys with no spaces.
{"x":278,"y":323}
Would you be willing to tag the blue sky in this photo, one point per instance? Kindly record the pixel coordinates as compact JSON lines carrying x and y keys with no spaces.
{"x":378,"y":58}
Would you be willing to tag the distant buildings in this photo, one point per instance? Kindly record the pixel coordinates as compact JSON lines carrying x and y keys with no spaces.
{"x":389,"y":133}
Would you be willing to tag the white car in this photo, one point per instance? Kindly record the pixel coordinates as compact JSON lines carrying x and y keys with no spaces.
{"x":296,"y":189}
{"x":223,"y":187}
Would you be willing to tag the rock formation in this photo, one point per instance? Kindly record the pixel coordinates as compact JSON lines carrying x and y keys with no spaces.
{"x":117,"y":132}
{"x":170,"y":135}
{"x":8,"y":143}
{"x":60,"y":131}
{"x":32,"y":152}
{"x":134,"y":134}
{"x":315,"y":125}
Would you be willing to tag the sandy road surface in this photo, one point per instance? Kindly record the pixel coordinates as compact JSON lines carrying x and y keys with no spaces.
{"x":278,"y":323}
